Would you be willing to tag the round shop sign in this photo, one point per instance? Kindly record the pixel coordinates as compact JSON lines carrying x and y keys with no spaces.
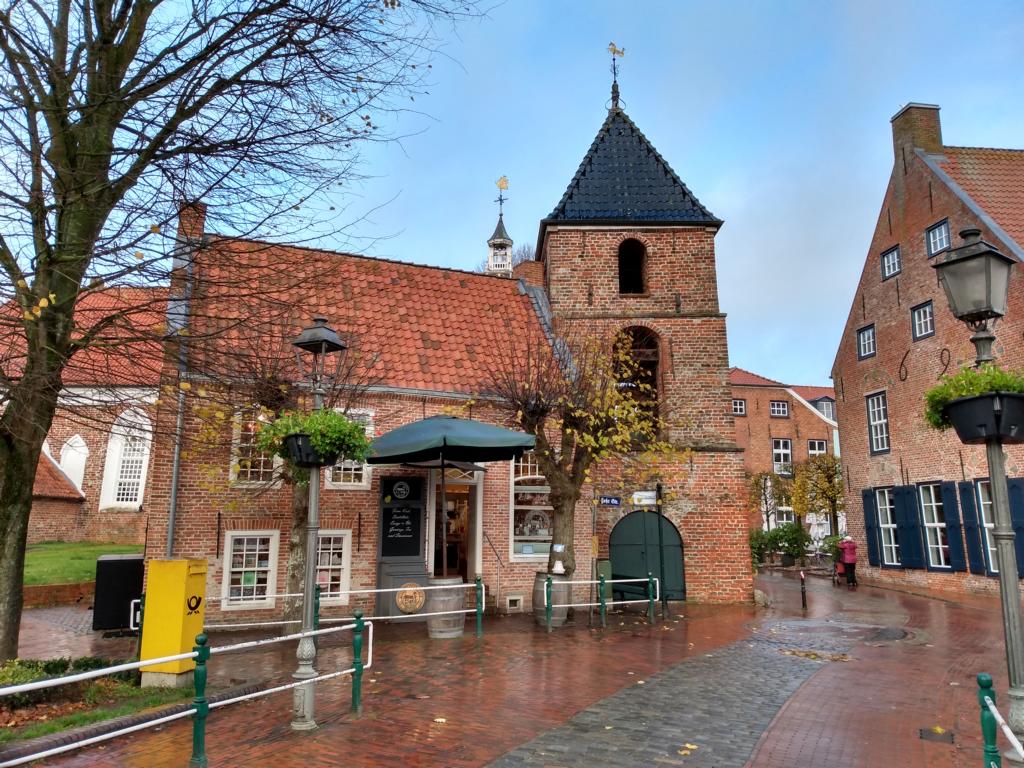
{"x":410,"y":598}
{"x":401,"y":490}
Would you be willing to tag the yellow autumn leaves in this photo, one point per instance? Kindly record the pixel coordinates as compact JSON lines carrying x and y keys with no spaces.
{"x":36,"y":310}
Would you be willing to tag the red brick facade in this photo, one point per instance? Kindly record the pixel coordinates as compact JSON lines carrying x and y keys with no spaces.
{"x":926,"y":188}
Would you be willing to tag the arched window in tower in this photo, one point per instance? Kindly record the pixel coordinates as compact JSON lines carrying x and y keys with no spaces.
{"x":640,"y":376}
{"x":632,"y":256}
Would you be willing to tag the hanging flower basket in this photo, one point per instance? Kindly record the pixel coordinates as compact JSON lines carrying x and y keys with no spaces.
{"x":981,"y":417}
{"x":302,"y":453}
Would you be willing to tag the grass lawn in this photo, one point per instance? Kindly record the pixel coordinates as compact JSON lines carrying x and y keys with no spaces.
{"x":58,"y":562}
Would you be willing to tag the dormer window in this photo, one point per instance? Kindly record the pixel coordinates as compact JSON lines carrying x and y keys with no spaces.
{"x":632,"y":255}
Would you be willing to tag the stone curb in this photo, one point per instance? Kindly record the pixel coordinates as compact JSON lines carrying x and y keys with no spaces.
{"x":53,"y":740}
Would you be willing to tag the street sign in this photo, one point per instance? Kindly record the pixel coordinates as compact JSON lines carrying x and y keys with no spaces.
{"x":645,"y":498}
{"x":611,"y":501}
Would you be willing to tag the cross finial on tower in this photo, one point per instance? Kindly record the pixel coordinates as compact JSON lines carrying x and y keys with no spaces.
{"x":502,"y":185}
{"x":616,"y":54}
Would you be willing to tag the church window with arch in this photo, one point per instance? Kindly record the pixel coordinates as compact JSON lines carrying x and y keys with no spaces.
{"x":632,"y":265}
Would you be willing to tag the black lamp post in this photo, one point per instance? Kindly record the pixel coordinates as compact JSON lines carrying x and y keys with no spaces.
{"x":319,"y":340}
{"x":976,"y":278}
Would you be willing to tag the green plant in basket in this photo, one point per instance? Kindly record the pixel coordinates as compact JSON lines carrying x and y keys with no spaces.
{"x":968,"y":382}
{"x":330,"y":433}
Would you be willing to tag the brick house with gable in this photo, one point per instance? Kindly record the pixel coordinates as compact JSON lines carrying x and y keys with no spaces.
{"x":917,"y":498}
{"x":628,"y":249}
{"x":779,"y":426}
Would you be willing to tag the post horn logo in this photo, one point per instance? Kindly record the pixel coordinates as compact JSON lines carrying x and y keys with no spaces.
{"x":193,"y":604}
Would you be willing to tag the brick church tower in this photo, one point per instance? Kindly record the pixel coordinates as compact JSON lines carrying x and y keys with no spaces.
{"x":629,"y":248}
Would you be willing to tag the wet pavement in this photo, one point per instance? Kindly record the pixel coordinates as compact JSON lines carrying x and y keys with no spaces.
{"x":851,"y":682}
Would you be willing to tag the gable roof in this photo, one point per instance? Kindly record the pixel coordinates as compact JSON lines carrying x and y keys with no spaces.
{"x":992,"y":178}
{"x":623,"y":178}
{"x":52,"y":483}
{"x":810,"y":394}
{"x":743,"y":378}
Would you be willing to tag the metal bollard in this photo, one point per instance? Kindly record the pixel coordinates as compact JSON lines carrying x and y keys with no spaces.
{"x":547,"y":602}
{"x":600,"y":593}
{"x":200,"y":703}
{"x":650,"y":598}
{"x":479,"y":607}
{"x":803,"y":590}
{"x":988,"y":722}
{"x":357,"y":663}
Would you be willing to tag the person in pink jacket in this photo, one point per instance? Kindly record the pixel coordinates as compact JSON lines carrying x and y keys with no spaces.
{"x":848,"y":557}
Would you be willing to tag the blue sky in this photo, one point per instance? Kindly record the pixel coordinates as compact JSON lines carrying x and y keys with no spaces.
{"x":776,"y":115}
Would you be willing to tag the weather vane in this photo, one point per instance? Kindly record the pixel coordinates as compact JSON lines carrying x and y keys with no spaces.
{"x":502,"y":185}
{"x":616,"y":53}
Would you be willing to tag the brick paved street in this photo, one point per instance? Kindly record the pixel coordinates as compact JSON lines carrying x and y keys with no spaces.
{"x":735,"y":682}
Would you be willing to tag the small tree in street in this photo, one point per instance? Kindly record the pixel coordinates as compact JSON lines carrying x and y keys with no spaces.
{"x":766,"y":493}
{"x":818,"y":488}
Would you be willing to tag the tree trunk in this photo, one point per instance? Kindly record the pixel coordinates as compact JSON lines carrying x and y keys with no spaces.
{"x":834,"y":520}
{"x":563,"y":501}
{"x":296,"y":555}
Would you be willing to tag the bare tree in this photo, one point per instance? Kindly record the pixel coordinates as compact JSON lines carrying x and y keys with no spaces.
{"x":113,"y":112}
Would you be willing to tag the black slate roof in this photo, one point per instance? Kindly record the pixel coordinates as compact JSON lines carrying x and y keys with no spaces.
{"x":624,"y":178}
{"x":499,"y":231}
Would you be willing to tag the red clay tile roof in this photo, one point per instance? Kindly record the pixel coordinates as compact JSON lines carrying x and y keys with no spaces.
{"x":423,"y":327}
{"x":741,"y":377}
{"x":127,"y":353}
{"x":811,"y":394}
{"x":52,"y":483}
{"x":994,"y":179}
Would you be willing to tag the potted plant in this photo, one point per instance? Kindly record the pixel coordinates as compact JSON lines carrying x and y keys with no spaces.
{"x":979,"y":403}
{"x":792,"y":541}
{"x":758,"y":546}
{"x":314,"y":439}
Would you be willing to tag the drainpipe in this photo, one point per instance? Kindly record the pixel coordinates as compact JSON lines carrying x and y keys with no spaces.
{"x":175,"y":473}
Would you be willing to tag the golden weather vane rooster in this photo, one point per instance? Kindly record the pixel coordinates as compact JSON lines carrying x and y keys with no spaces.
{"x":502,"y":183}
{"x":616,"y":51}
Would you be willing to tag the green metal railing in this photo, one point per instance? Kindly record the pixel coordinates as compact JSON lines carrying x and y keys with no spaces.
{"x":651,"y":592}
{"x":990,"y":721}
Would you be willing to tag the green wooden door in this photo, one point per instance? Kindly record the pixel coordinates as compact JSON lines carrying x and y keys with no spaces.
{"x":645,"y":542}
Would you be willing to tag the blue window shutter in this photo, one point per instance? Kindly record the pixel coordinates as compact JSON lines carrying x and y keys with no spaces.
{"x":954,"y":534}
{"x":908,"y":525}
{"x":972,"y":528}
{"x":1016,"y":489}
{"x":871,"y":525}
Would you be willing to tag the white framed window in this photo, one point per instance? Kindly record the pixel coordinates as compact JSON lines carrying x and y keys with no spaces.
{"x":249,"y":465}
{"x":739,"y":407}
{"x":531,"y":514}
{"x":334,"y":566}
{"x":866,"y":342}
{"x":887,"y":526}
{"x":988,"y":523}
{"x":891,"y":264}
{"x":782,"y":455}
{"x":249,"y":579}
{"x":778,"y":408}
{"x":938,"y":238}
{"x":827,"y":408}
{"x":817,"y":447}
{"x":124,"y":472}
{"x":934,"y":518}
{"x":878,"y":423}
{"x":73,"y":456}
{"x":922,"y":321}
{"x":784,"y":515}
{"x":352,"y":475}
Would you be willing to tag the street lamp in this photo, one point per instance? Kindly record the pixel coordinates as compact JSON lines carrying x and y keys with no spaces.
{"x":976,"y":278}
{"x":319,"y":340}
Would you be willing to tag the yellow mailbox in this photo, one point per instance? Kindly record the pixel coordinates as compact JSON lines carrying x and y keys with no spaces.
{"x":175,"y":610}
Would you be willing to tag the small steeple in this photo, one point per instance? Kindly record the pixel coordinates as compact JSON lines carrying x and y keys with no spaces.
{"x":616,"y":54}
{"x":499,"y":256}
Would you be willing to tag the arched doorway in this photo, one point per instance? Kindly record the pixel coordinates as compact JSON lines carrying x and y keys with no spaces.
{"x":645,"y":542}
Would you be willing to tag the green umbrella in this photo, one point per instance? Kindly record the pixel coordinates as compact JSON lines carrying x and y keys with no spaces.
{"x":448,"y":439}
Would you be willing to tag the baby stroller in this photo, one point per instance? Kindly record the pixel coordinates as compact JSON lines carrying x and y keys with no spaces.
{"x":838,"y":573}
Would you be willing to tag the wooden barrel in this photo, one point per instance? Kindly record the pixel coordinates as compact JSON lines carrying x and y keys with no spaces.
{"x":561,"y":594}
{"x":438,"y":600}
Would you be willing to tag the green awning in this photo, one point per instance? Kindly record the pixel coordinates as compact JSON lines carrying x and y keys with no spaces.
{"x":450,"y":438}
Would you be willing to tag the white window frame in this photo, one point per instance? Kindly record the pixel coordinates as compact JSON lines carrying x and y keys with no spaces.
{"x":739,"y":406}
{"x":987,"y":519}
{"x":878,"y":423}
{"x":367,"y":475}
{"x":778,"y":408}
{"x":130,"y":421}
{"x":922,"y":321}
{"x":74,"y":455}
{"x":532,"y":473}
{"x":889,"y":536}
{"x":346,"y":565}
{"x":866,"y":346}
{"x":782,"y":446}
{"x":892,"y":264}
{"x":240,"y":603}
{"x":937,"y":237}
{"x":935,"y":534}
{"x":784,"y":515}
{"x":827,"y":408}
{"x":812,"y":447}
{"x":236,"y":440}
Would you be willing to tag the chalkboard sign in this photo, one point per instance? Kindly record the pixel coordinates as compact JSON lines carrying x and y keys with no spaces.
{"x":401,"y":518}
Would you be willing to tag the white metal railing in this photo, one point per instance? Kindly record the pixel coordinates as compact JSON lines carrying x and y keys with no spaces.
{"x":1014,"y":741}
{"x":654,"y":580}
{"x":128,"y":666}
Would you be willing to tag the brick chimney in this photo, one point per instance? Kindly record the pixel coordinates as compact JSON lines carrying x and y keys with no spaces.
{"x":191,"y":220}
{"x":916,"y":126}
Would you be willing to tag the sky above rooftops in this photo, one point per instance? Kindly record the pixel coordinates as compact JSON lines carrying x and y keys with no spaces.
{"x":775,"y":115}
